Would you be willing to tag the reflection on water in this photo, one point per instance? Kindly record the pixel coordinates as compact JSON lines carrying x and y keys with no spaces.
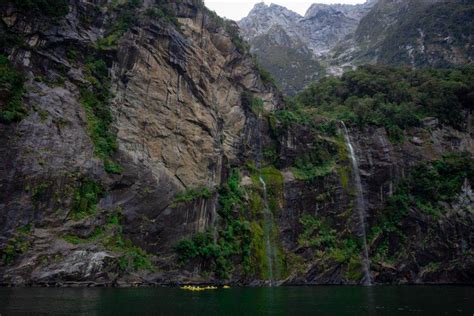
{"x":323,"y":300}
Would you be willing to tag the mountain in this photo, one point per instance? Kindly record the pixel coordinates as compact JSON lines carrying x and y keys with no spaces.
{"x":141,"y":144}
{"x":394,"y":32}
{"x":322,"y":27}
{"x":422,"y":33}
{"x":288,"y":60}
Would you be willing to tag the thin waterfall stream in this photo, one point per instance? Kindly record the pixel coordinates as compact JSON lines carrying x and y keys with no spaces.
{"x":267,"y":214}
{"x":267,"y":231}
{"x":360,"y":206}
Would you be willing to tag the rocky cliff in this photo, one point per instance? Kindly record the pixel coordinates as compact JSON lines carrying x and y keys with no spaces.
{"x":118,"y":116}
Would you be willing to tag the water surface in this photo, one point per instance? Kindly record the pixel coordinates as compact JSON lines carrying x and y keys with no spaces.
{"x":321,"y":300}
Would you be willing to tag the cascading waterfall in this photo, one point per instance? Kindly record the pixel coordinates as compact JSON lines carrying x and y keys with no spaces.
{"x":267,"y":231}
{"x":267,"y":215}
{"x":360,"y":206}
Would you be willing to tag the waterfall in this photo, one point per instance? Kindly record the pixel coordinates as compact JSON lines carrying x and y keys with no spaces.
{"x":270,"y":251}
{"x":360,"y":206}
{"x":267,"y":232}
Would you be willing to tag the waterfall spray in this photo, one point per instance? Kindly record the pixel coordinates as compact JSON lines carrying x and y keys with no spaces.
{"x":360,"y":205}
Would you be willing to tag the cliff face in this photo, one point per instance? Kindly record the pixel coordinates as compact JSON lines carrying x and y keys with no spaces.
{"x":427,"y":249}
{"x":126,"y":106}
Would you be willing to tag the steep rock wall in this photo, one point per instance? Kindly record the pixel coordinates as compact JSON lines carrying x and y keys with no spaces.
{"x":176,"y":109}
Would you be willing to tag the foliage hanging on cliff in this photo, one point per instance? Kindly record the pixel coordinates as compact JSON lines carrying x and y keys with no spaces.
{"x":16,"y":245}
{"x":426,"y":190}
{"x":431,"y":183}
{"x":11,"y":91}
{"x":125,"y":17}
{"x":191,"y":194}
{"x":95,"y":99}
{"x":233,"y":240}
{"x":85,"y":198}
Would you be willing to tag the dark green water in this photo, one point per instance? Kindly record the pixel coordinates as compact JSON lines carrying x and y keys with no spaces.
{"x":324,"y":300}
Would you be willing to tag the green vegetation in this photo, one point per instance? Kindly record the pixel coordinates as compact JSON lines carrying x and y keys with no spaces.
{"x":395,"y":98}
{"x":316,"y":233}
{"x":233,"y":30}
{"x":319,"y":159}
{"x":252,"y":103}
{"x":431,"y":183}
{"x":439,"y":20}
{"x":86,"y":197}
{"x":431,"y":267}
{"x":265,"y":75}
{"x":11,"y":92}
{"x":123,"y":23}
{"x":39,"y":191}
{"x":16,"y":245}
{"x":230,"y":195}
{"x":158,"y":13}
{"x":381,"y":252}
{"x":132,"y":258}
{"x":274,"y":183}
{"x":95,"y":100}
{"x":97,"y":234}
{"x":258,"y":262}
{"x":423,"y":189}
{"x":345,"y":250}
{"x":263,"y":226}
{"x":354,"y":269}
{"x":51,"y":8}
{"x":192,"y":195}
{"x":306,"y":169}
{"x":270,"y":154}
{"x":296,"y":115}
{"x":232,"y":241}
{"x":125,"y":17}
{"x":161,"y":11}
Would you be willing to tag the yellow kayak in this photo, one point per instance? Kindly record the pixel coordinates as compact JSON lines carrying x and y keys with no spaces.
{"x":198,"y":288}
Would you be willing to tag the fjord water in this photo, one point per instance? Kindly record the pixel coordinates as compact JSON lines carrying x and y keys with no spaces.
{"x":318,"y":300}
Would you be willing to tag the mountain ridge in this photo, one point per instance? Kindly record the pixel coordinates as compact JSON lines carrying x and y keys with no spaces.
{"x":394,"y":32}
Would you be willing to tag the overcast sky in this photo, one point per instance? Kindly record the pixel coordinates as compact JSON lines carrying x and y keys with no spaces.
{"x":235,"y":10}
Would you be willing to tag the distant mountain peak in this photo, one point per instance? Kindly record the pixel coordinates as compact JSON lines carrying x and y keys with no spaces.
{"x":342,"y":36}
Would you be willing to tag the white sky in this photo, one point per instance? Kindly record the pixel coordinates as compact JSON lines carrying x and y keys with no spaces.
{"x":235,"y":10}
